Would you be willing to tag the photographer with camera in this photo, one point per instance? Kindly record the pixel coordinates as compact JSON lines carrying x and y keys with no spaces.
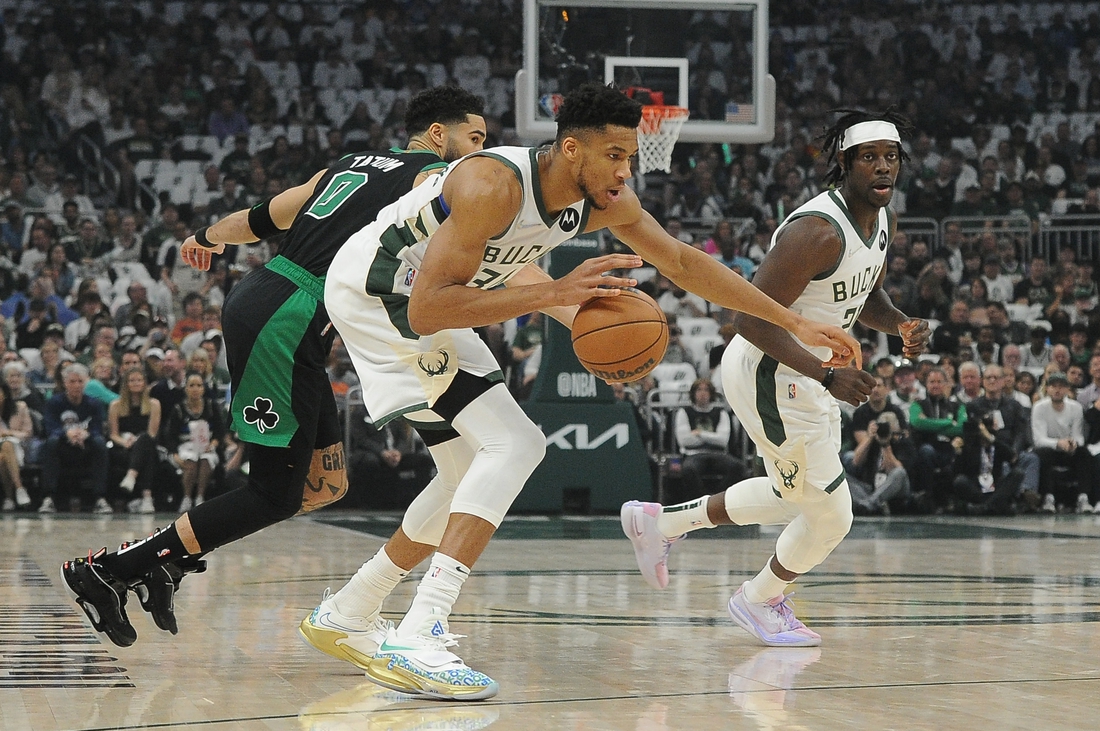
{"x":876,"y":469}
{"x":985,"y":479}
{"x":1011,"y":424}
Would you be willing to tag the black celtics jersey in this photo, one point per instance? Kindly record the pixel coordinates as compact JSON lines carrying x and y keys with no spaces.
{"x":348,"y":197}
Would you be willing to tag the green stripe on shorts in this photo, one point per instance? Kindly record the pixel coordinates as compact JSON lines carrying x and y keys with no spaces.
{"x":835,"y":484}
{"x":266,"y":386}
{"x":380,"y":284}
{"x":766,"y":405}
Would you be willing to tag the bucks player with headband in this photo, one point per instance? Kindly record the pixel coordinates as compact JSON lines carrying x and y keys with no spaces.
{"x":406,"y":291}
{"x":277,"y":335}
{"x":825,"y":262}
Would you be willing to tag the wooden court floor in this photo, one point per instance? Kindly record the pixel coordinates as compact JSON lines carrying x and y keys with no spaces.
{"x":927,"y":624}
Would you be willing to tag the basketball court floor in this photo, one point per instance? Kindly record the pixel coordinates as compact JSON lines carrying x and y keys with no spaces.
{"x":927,"y":624}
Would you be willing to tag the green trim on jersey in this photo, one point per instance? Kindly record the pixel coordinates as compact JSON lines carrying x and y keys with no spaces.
{"x":835,"y":484}
{"x":869,"y":241}
{"x":519,"y":176}
{"x":536,"y":189}
{"x":269,"y":372}
{"x":437,"y":165}
{"x":766,"y":405}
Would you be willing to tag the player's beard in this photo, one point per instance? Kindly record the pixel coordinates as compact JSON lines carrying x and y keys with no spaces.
{"x":585,"y":190}
{"x":451,"y":153}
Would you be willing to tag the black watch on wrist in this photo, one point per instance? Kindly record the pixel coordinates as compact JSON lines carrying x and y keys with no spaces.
{"x":828,"y":379}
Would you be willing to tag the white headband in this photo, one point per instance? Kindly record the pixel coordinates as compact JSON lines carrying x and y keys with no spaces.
{"x":857,"y":134}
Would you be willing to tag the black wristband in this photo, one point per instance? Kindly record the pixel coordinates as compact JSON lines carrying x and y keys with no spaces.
{"x":201,"y":240}
{"x":828,"y":379}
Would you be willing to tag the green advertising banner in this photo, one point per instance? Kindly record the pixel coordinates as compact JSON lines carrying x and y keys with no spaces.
{"x":595,"y":458}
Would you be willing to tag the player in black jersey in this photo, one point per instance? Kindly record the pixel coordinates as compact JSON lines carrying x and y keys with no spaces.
{"x":278,"y":336}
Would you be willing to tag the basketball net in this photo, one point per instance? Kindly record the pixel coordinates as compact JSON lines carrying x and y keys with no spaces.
{"x":657,"y":135}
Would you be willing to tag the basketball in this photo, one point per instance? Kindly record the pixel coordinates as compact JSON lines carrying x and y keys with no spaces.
{"x":620,"y":338}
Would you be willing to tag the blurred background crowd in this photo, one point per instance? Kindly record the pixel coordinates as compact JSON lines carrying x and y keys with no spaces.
{"x":125,"y":126}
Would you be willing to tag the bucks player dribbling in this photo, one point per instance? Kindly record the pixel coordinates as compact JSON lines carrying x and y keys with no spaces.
{"x":826,"y":262}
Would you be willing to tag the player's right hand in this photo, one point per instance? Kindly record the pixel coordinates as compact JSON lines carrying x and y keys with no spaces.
{"x":851,"y":385}
{"x":198,"y":256}
{"x":588,"y":280}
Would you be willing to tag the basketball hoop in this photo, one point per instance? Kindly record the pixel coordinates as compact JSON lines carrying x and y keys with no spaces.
{"x":657,"y":135}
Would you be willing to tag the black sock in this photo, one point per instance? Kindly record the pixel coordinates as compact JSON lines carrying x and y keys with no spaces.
{"x":162,"y":546}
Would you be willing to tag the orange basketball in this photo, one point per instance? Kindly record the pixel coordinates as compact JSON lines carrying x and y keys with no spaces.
{"x":620,"y":338}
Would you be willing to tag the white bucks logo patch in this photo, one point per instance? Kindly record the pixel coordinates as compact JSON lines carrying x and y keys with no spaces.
{"x":261,"y":414}
{"x":434,"y":363}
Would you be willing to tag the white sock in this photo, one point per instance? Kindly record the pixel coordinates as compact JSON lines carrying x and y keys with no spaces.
{"x":439,"y":588}
{"x":372,"y":583}
{"x":764,"y":586}
{"x":675,"y":520}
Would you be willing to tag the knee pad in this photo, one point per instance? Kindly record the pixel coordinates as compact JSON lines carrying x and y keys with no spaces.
{"x":509,"y":448}
{"x":813,"y":535}
{"x":327,"y":480}
{"x":427,"y":515}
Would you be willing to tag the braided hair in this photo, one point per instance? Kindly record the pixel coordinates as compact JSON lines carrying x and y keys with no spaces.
{"x":832,"y":136}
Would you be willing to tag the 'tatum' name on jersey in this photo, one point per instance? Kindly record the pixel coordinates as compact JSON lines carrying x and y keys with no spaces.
{"x":379,"y":162}
{"x":860,"y":283}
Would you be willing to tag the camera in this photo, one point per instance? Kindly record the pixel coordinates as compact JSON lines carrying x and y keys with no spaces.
{"x":885,"y":429}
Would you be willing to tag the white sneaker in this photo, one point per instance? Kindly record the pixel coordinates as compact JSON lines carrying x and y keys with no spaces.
{"x":102,"y":507}
{"x":1096,"y":507}
{"x":651,"y":547}
{"x":1048,"y":504}
{"x":1083,"y":505}
{"x":127,"y":483}
{"x":352,"y":639}
{"x":422,"y":665}
{"x":199,"y":500}
{"x":47,"y":505}
{"x":146,"y":507}
{"x":185,"y":505}
{"x":22,"y":499}
{"x":773,"y":622}
{"x":9,"y":505}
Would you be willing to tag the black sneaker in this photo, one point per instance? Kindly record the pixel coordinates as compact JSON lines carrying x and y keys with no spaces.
{"x":101,"y":595}
{"x":156,"y":590}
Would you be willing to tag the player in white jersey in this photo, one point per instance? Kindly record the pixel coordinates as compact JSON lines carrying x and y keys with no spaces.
{"x":404,"y":293}
{"x":825,"y":262}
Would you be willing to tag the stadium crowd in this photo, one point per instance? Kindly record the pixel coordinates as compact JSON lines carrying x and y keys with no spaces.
{"x":125,"y":126}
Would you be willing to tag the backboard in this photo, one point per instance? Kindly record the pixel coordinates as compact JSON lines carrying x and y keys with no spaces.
{"x":705,"y":55}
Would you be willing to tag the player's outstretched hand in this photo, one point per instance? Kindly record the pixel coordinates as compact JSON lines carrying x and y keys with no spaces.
{"x":914,"y":336}
{"x":844,"y":346}
{"x":588,"y":280}
{"x":198,"y":256}
{"x":852,"y":385}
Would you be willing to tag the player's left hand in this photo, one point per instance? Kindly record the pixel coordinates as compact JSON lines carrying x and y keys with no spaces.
{"x":914,"y":336}
{"x":844,"y":346}
{"x":197,"y":255}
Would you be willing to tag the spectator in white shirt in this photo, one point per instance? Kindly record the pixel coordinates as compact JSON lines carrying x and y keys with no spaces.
{"x":998,"y":285}
{"x":1058,"y":432}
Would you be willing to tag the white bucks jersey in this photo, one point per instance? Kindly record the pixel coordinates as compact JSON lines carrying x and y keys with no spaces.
{"x":404,"y":229}
{"x":836,"y":297}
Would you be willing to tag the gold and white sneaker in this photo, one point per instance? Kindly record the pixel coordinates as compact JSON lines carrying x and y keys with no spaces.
{"x":352,"y":639}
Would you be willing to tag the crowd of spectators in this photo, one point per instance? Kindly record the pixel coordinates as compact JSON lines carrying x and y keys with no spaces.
{"x":199,"y":109}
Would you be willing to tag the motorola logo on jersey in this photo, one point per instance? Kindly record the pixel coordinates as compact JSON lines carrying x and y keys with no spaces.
{"x":882,"y":240}
{"x":569,"y":219}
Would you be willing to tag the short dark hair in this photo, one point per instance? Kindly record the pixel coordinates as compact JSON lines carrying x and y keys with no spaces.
{"x":593,"y":106}
{"x":443,"y":104}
